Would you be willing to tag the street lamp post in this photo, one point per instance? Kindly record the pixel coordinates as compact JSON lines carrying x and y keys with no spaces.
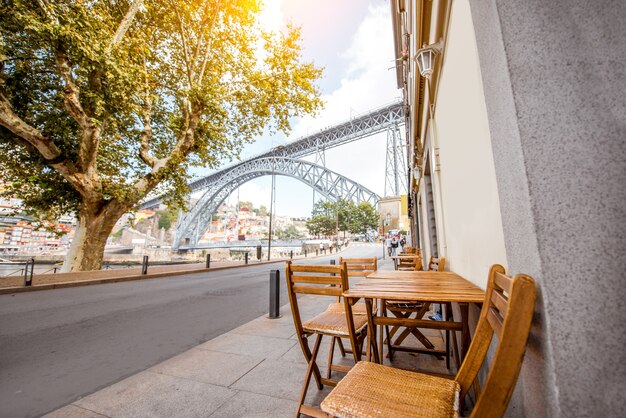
{"x":336,"y":224}
{"x":269,"y":241}
{"x":386,"y":222}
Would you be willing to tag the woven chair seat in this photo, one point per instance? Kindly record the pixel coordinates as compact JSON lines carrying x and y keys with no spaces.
{"x":357,"y":308}
{"x":334,"y":323}
{"x":372,"y":390}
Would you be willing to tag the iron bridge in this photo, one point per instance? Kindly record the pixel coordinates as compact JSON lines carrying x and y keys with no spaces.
{"x":328,"y":183}
{"x":283,"y":160}
{"x":360,"y":127}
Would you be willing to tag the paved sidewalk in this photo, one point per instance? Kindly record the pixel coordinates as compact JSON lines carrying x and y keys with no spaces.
{"x":255,"y":370}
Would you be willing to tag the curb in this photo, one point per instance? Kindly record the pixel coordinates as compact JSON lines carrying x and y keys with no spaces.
{"x":78,"y":283}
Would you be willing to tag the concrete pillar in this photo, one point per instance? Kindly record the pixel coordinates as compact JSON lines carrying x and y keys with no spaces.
{"x":554,"y":79}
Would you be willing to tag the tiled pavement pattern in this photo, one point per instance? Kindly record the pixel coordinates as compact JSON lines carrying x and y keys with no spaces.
{"x":255,"y":370}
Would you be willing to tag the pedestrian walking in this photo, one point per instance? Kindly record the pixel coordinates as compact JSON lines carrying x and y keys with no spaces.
{"x":394,"y":245}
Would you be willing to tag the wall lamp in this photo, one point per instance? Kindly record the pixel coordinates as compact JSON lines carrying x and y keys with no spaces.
{"x":417,"y":173}
{"x":425,"y":57}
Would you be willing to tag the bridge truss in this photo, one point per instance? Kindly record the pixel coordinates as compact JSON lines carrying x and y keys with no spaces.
{"x":328,"y":183}
{"x":283,"y":160}
{"x":379,"y":120}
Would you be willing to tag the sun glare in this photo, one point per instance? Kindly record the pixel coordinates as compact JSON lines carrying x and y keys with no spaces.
{"x":271,"y":17}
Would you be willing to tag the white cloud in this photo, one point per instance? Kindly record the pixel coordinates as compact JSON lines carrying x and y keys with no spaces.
{"x":367,"y":83}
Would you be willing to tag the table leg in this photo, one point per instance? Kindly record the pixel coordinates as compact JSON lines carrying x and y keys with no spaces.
{"x":371,"y":347}
{"x":382,"y":311}
{"x":465,"y":335}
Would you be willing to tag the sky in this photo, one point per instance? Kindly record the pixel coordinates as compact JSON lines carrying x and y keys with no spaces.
{"x":353,"y":41}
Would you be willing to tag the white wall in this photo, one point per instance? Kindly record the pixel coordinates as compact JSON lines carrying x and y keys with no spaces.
{"x":469,"y":209}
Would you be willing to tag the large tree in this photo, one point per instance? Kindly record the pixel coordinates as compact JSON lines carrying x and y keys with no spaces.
{"x":323,"y":219}
{"x":105,"y":101}
{"x":364,"y":218}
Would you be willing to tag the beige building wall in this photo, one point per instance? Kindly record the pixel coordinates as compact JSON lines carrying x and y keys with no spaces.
{"x":470,"y":231}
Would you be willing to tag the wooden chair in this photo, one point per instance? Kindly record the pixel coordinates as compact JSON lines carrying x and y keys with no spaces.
{"x":356,"y":267}
{"x":411,"y":251}
{"x":322,"y":281}
{"x":417,"y":310}
{"x":436,"y":264}
{"x":360,"y":267}
{"x":371,"y":389}
{"x":409,"y":263}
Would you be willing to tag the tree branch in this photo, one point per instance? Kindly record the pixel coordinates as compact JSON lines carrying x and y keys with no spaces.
{"x":207,"y":49}
{"x":90,"y":135}
{"x":202,"y":32}
{"x":40,"y":142}
{"x":125,"y":24}
{"x":146,"y":135}
{"x":71,"y":96}
{"x":183,"y":38}
{"x":182,"y":148}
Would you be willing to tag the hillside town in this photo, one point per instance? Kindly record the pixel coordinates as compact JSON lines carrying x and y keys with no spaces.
{"x":231,"y":224}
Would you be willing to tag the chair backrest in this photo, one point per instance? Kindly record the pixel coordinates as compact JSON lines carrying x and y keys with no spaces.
{"x":414,"y":262}
{"x":360,"y":267}
{"x":311,"y":279}
{"x":437,"y":264}
{"x":507,"y":311}
{"x":411,"y":251}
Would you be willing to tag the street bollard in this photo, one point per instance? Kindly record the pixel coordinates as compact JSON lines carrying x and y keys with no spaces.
{"x":26,"y":274}
{"x":274,"y":294}
{"x":144,"y":265}
{"x":28,"y":278}
{"x":333,"y":263}
{"x":32,"y":270}
{"x":316,"y":253}
{"x":305,"y":253}
{"x":208,"y":261}
{"x":259,"y":252}
{"x":291,"y":254}
{"x":246,"y":257}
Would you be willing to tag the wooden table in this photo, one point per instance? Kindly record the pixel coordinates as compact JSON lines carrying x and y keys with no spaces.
{"x":421,"y":286}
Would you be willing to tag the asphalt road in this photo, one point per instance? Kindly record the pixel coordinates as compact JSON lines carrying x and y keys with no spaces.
{"x":59,"y":345}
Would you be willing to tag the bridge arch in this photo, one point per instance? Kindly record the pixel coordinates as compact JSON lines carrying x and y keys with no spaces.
{"x":330,"y":184}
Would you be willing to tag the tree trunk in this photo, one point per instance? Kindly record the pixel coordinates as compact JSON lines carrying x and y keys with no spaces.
{"x":95,"y":223}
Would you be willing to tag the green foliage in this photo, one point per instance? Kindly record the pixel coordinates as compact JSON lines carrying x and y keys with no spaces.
{"x":262,"y":211}
{"x":323,"y":220}
{"x":186,"y":77}
{"x":165,"y":219}
{"x":246,"y":204}
{"x":291,"y":232}
{"x":364,"y":217}
{"x":347,"y":215}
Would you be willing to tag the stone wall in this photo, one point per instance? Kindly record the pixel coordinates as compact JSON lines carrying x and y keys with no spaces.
{"x":554,"y":79}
